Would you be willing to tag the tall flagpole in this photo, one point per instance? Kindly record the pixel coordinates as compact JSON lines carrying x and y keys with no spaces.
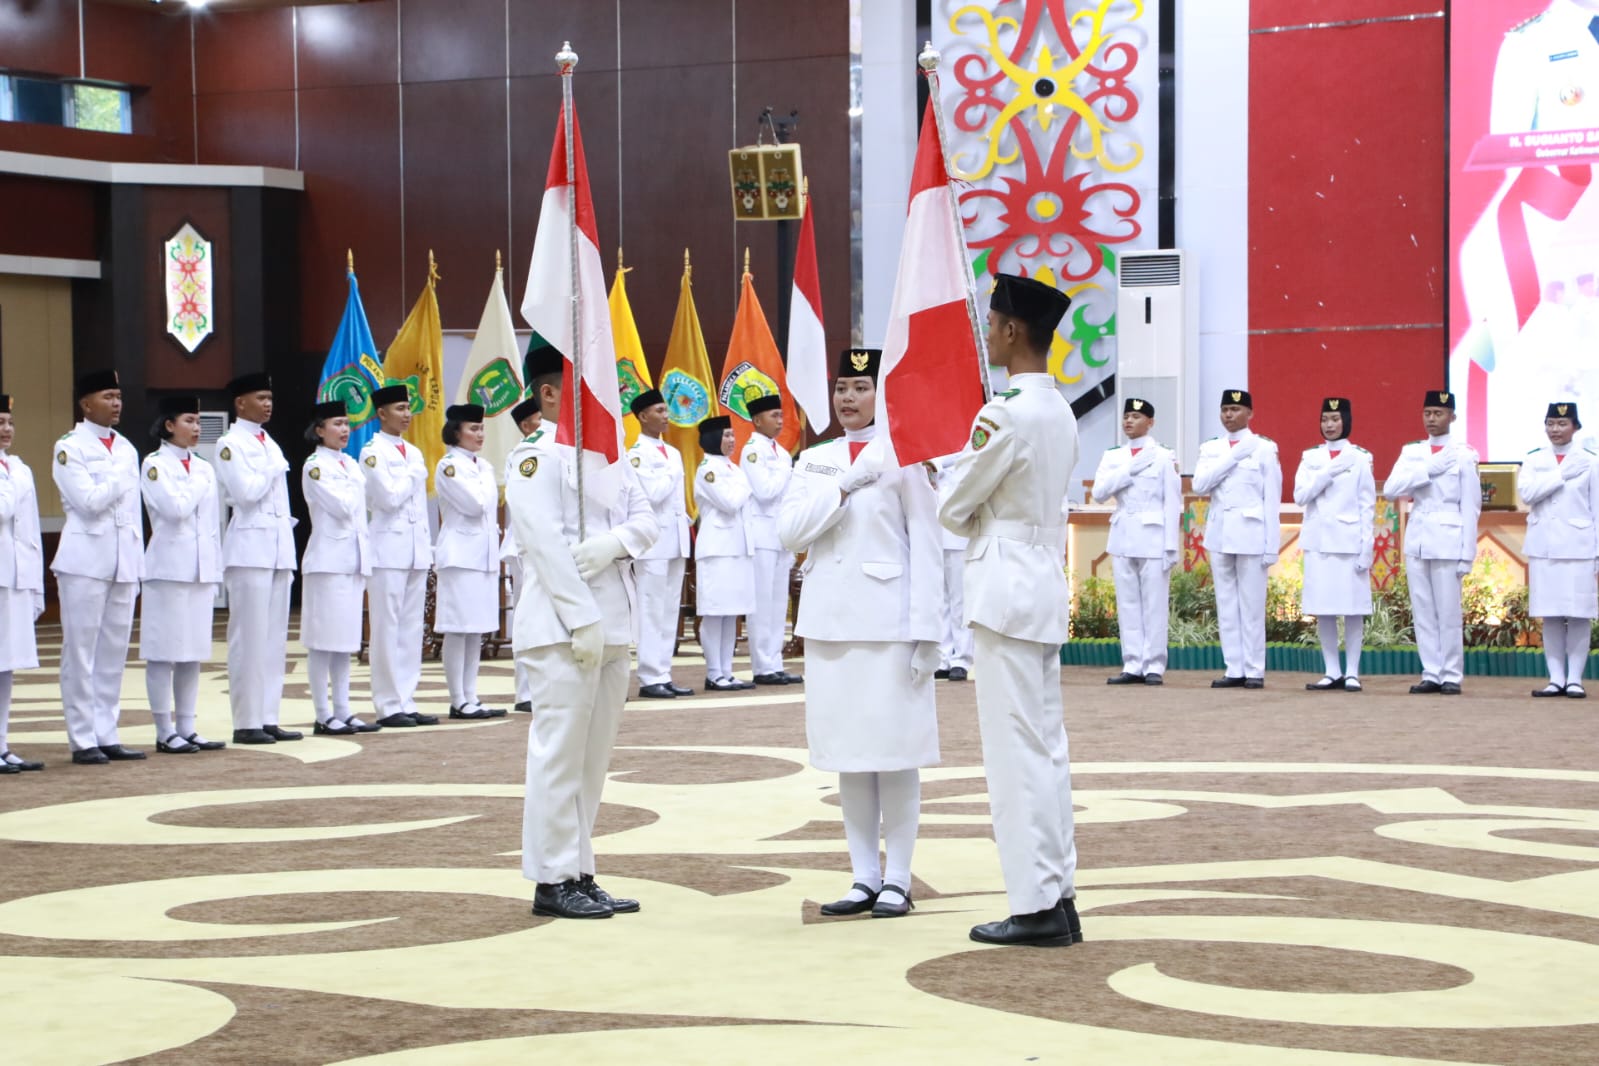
{"x":928,"y":60}
{"x":566,"y":59}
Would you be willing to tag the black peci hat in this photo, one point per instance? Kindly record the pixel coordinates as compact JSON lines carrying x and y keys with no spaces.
{"x":1134,"y":406}
{"x":390,"y":394}
{"x":464,"y":412}
{"x":1339,"y":405}
{"x":526,"y":409}
{"x":645,"y":400}
{"x":859,"y":362}
{"x":1029,"y":300}
{"x":1564,"y":409}
{"x":329,"y":409}
{"x":245,"y":384}
{"x":1237,"y":398}
{"x":173,"y":406}
{"x":96,"y":381}
{"x":1439,"y":398}
{"x":710,"y":433}
{"x":5,"y":404}
{"x":765,"y":403}
{"x":541,"y":359}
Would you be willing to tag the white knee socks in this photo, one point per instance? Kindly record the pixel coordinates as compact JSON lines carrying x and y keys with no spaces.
{"x":1354,"y":631}
{"x":329,"y":672}
{"x":1354,"y":634}
{"x":1565,"y":649}
{"x":461,"y":654}
{"x":857,"y":796}
{"x":1554,"y":649}
{"x":186,"y":696}
{"x":158,"y":687}
{"x":717,"y":635}
{"x":5,"y":709}
{"x":881,"y":806}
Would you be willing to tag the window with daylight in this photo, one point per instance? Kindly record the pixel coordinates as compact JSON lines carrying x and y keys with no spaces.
{"x":75,"y":104}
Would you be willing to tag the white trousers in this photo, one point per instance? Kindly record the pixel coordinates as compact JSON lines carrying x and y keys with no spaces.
{"x":524,"y":686}
{"x":765,"y":625}
{"x":1027,"y":761}
{"x":1241,"y":612}
{"x":96,"y":621}
{"x":576,"y":714}
{"x":395,"y":600}
{"x":1435,"y":609}
{"x":462,"y":653}
{"x":718,"y":635}
{"x":956,"y":647}
{"x":884,"y":805}
{"x":329,"y":672}
{"x":258,"y":642}
{"x":1143,"y":588}
{"x":660,"y":606}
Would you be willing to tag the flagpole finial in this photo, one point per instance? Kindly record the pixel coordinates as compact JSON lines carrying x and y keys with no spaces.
{"x":746,"y":261}
{"x":433,"y":269}
{"x":929,"y":58}
{"x":498,"y":266}
{"x":566,"y":59}
{"x":688,"y":268}
{"x":349,"y":260}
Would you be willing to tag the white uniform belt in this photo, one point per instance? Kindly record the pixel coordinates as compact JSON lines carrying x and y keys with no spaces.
{"x":1022,"y":532}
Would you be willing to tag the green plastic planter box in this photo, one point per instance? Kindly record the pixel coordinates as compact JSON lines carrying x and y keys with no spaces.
{"x":1306,"y":659}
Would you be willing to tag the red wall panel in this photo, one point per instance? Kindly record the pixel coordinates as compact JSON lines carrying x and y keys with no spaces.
{"x":245,"y":129}
{"x":150,"y":51}
{"x":244,"y":51}
{"x":447,"y":41}
{"x":40,"y":38}
{"x":538,"y":28}
{"x":349,"y":44}
{"x":53,"y":219}
{"x":1267,"y":13}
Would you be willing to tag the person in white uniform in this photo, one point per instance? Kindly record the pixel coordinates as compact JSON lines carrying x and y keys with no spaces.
{"x":338,"y":560}
{"x":1008,"y":494}
{"x":182,"y":569}
{"x":527,"y":417}
{"x":871,"y":613}
{"x":466,"y":557}
{"x":724,"y":553}
{"x":1560,"y":485}
{"x":955,"y":650}
{"x":98,"y":563}
{"x":257,"y":562}
{"x":21,"y":580}
{"x":1145,"y":544}
{"x":1440,"y":475}
{"x":659,"y":572}
{"x":1335,"y":486}
{"x":402,"y":554}
{"x":1243,"y":477}
{"x":768,"y":468}
{"x":573,"y":627}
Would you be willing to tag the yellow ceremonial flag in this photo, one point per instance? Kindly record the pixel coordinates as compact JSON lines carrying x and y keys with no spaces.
{"x":416,"y":359}
{"x":632,"y":372}
{"x":687,"y":384}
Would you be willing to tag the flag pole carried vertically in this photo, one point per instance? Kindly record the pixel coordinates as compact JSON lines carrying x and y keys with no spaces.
{"x":565,"y":60}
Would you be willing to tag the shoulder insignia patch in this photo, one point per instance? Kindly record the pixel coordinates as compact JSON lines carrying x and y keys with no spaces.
{"x":979,"y":438}
{"x":989,"y":422}
{"x":1008,"y":393}
{"x":528,"y":467}
{"x":370,"y":460}
{"x":751,"y":457}
{"x":226,"y":453}
{"x":635,"y":460}
{"x":710,"y":477}
{"x":61,"y":457}
{"x":152,"y":473}
{"x":315,"y":473}
{"x":449,"y":470}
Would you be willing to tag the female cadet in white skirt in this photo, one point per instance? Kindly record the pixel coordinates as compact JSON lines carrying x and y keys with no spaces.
{"x":1560,"y":485}
{"x":724,"y":554}
{"x":1335,"y":486}
{"x":466,"y":557}
{"x":871,"y":612}
{"x":338,"y":560}
{"x":21,"y":580}
{"x":182,"y":568}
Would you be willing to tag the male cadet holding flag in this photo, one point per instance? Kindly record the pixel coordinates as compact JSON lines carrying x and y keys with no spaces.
{"x":572,"y":630}
{"x":658,"y":573}
{"x":1008,"y":493}
{"x":1241,"y":474}
{"x":767,"y":467}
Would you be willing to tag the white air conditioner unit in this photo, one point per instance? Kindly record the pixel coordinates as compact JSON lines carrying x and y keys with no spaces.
{"x":1157,"y":344}
{"x":212,"y":425}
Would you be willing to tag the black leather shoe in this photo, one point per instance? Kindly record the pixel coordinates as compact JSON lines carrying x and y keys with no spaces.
{"x":1073,"y":923}
{"x":358,"y":726}
{"x":1124,"y":678}
{"x":594,"y":892}
{"x":887,"y":909}
{"x":657,"y":692}
{"x":1575,"y":691}
{"x":117,"y":753}
{"x":334,"y":728}
{"x":205,"y":745}
{"x":1548,"y":690}
{"x":1254,"y":682}
{"x":1328,"y":683}
{"x":524,"y":706}
{"x":792,"y":679}
{"x":176,"y":746}
{"x":941,"y":674}
{"x":7,"y":768}
{"x":422,"y":719}
{"x":679,"y":690}
{"x":89,"y":757}
{"x":17,"y":762}
{"x":1448,"y":688}
{"x":1046,"y":928}
{"x":277,"y":732}
{"x":851,"y":906}
{"x":957,"y":673}
{"x":1227,"y":682}
{"x":398,"y":720}
{"x":1425,"y":688}
{"x":253,"y":736}
{"x":475,"y":714}
{"x":771,"y":679}
{"x":567,"y":900}
{"x":1154,"y":679}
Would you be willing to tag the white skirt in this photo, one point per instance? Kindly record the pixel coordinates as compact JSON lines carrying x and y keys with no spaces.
{"x":862,"y":714}
{"x":1562,"y":588}
{"x":330,"y":612}
{"x":724,"y":585}
{"x":468,"y":601}
{"x":175,"y":621}
{"x":18,"y":650}
{"x":1333,"y":586}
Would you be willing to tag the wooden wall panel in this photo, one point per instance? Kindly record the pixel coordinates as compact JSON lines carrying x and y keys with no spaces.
{"x":246,"y":128}
{"x":151,"y":52}
{"x":349,"y":44}
{"x":675,"y":33}
{"x":36,"y":339}
{"x":39,"y":37}
{"x":449,"y":40}
{"x":39,"y":217}
{"x":244,"y":51}
{"x":538,"y":28}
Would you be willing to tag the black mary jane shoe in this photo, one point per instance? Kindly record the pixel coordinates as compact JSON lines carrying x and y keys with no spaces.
{"x":1548,"y":690}
{"x":567,"y":899}
{"x":1328,"y":683}
{"x":17,"y":762}
{"x":335,"y":728}
{"x":277,"y":732}
{"x":618,"y":904}
{"x":175,"y":746}
{"x":205,"y":745}
{"x":474,"y":714}
{"x":851,"y":906}
{"x":7,"y":768}
{"x":1575,"y":691}
{"x":888,"y":909}
{"x":358,"y":726}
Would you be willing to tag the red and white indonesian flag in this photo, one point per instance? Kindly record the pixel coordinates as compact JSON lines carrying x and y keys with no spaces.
{"x":547,"y":307}
{"x":930,"y":382}
{"x":807,"y":341}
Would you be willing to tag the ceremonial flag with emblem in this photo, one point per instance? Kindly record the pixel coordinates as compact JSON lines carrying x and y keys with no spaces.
{"x":931,"y":379}
{"x":632,"y":372}
{"x":686,"y":384}
{"x":416,"y":359}
{"x":492,"y":378}
{"x":351,"y":370}
{"x":807,"y":341}
{"x":754,"y":368}
{"x":547,"y":307}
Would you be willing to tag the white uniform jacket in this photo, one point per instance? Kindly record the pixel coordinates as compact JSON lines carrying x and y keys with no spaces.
{"x":1545,"y":75}
{"x":469,"y":504}
{"x":1448,"y":499}
{"x":1015,"y":474}
{"x":103,"y":536}
{"x":508,"y":546}
{"x":659,"y":468}
{"x":21,"y":548}
{"x":1245,"y":484}
{"x":1149,"y":499}
{"x":873,"y":567}
{"x":185,"y":533}
{"x":1564,"y":501}
{"x":1340,"y":501}
{"x":335,"y":494}
{"x":952,"y":542}
{"x":722,"y":494}
{"x":541,"y":497}
{"x":768,"y":468}
{"x":251,"y":468}
{"x":397,"y":497}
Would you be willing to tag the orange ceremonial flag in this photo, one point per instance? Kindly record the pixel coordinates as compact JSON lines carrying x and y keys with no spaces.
{"x":754,"y":368}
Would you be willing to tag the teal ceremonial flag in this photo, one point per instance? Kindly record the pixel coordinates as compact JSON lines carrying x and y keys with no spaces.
{"x":352,"y":370}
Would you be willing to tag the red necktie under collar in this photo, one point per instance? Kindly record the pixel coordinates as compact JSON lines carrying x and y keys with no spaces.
{"x":260,"y":435}
{"x":109,"y":442}
{"x":855,"y":447}
{"x":185,"y":462}
{"x":401,"y":446}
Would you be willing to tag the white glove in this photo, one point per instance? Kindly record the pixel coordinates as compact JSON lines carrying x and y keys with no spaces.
{"x":1142,"y":461}
{"x":1244,"y":448}
{"x":588,"y":643}
{"x":858,"y":477}
{"x":1574,"y":467}
{"x":1268,"y":561}
{"x":38,"y":604}
{"x":1464,"y":567}
{"x":1170,"y":560}
{"x":595,"y":554}
{"x":1441,"y":463}
{"x":1363,"y":565}
{"x":924,"y":660}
